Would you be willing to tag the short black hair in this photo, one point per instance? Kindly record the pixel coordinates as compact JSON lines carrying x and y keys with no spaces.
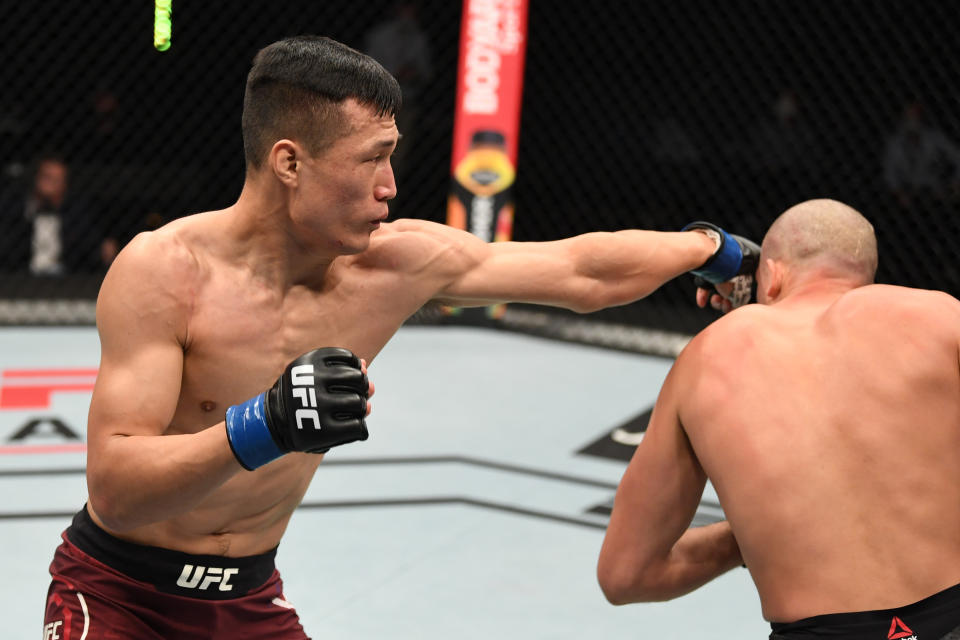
{"x":296,"y":86}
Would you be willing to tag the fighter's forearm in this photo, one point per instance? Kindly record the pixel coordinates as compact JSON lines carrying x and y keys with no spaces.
{"x":628,"y":265}
{"x":136,"y":480}
{"x":700,"y":555}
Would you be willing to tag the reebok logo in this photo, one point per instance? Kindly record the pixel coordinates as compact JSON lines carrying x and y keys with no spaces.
{"x":191,"y":576}
{"x":302,"y":378}
{"x":899,"y":630}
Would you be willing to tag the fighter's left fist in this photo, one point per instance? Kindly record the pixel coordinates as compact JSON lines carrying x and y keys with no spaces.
{"x":732,"y":266}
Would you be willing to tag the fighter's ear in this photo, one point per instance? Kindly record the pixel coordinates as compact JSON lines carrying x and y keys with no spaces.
{"x":774,"y":280}
{"x":285,"y":158}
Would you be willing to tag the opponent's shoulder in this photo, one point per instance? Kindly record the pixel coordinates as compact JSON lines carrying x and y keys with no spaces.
{"x":897,"y":305}
{"x":906,"y":295}
{"x":731,"y":333}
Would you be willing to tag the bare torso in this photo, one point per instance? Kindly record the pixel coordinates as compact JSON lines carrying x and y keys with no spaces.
{"x":207,"y":312}
{"x":240,"y":335}
{"x":832,"y":437}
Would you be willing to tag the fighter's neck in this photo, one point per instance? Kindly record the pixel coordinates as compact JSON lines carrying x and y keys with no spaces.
{"x":819,"y":291}
{"x":261,"y":235}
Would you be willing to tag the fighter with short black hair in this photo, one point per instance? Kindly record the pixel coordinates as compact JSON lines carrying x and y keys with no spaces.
{"x":233,"y":345}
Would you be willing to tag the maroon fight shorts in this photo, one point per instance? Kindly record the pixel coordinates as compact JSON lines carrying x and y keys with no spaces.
{"x":104,"y":588}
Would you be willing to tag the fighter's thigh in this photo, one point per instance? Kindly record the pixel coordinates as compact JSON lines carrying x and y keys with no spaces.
{"x":72,"y":614}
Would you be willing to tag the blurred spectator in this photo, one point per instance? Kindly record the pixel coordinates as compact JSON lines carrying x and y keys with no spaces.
{"x":106,"y":111}
{"x":402,"y":47}
{"x":784,"y":139}
{"x":672,"y":142}
{"x":47,"y":230}
{"x":13,"y":129}
{"x":921,"y":162}
{"x":98,"y":137}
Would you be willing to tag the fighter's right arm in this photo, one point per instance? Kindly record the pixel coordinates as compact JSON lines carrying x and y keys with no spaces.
{"x":650,"y":552}
{"x":134,"y":475}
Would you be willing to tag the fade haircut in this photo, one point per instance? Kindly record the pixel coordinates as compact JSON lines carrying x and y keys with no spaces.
{"x":296,"y":87}
{"x":825,"y":234}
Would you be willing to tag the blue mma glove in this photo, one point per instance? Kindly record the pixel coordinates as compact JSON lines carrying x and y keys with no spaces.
{"x":319,"y":402}
{"x":735,"y":260}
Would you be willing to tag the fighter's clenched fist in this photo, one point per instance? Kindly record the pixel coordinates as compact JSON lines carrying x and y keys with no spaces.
{"x":319,"y":402}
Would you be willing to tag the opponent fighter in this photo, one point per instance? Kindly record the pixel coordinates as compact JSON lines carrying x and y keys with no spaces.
{"x":828,"y":420}
{"x":193,"y":469}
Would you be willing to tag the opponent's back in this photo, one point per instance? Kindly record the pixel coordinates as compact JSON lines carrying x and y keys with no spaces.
{"x":831,"y":432}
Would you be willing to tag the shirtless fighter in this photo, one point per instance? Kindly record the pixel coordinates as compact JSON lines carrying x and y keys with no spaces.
{"x":828,"y":420}
{"x":194,"y":469}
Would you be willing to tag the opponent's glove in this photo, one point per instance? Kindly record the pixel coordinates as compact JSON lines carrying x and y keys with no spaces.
{"x":735,"y":260}
{"x":319,"y":402}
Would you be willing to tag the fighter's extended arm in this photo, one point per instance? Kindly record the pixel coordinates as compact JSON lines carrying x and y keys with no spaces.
{"x":583,"y":273}
{"x":649,"y":552}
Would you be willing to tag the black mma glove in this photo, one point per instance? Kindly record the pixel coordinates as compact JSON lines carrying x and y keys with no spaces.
{"x":735,"y":260}
{"x":319,"y":402}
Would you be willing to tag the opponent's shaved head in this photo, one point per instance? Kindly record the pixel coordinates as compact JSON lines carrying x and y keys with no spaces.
{"x":823,"y":234}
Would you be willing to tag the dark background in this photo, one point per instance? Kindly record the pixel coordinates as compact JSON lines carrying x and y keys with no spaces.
{"x":635,"y":114}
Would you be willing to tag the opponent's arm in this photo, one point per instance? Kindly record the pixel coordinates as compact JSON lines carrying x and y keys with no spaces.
{"x":649,"y":552}
{"x":583,"y":273}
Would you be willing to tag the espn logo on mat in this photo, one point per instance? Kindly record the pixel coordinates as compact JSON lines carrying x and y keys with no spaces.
{"x":302,"y":378}
{"x":197,"y":577}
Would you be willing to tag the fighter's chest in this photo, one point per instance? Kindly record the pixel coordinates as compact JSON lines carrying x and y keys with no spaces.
{"x":238,"y":343}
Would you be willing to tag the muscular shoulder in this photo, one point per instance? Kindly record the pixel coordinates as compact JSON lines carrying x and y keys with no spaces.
{"x":905,"y":297}
{"x":901,"y":307}
{"x":418,"y":245}
{"x":712,"y":370}
{"x":163,"y":257}
{"x":902,"y":311}
{"x":153,"y":278}
{"x":733,"y":333}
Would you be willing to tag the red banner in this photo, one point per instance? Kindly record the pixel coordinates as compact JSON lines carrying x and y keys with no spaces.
{"x":487,"y":121}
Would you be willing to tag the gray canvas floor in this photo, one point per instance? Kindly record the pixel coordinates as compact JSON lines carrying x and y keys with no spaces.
{"x":469,"y":513}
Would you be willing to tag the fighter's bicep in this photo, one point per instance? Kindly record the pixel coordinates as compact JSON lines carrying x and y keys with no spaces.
{"x":141,"y":323}
{"x":540,"y":272}
{"x":136,"y":394}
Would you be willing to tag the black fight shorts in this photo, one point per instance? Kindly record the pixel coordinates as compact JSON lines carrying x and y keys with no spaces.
{"x":933,"y":618}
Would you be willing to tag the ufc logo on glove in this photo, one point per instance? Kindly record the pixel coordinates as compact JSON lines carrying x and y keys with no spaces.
{"x":302,"y":378}
{"x":324,"y":388}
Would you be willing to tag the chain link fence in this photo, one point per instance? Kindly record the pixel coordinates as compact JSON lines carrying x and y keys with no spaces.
{"x":636,"y":114}
{"x":655,"y":113}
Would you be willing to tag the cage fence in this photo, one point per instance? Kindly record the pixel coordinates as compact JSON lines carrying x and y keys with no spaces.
{"x":635,"y":115}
